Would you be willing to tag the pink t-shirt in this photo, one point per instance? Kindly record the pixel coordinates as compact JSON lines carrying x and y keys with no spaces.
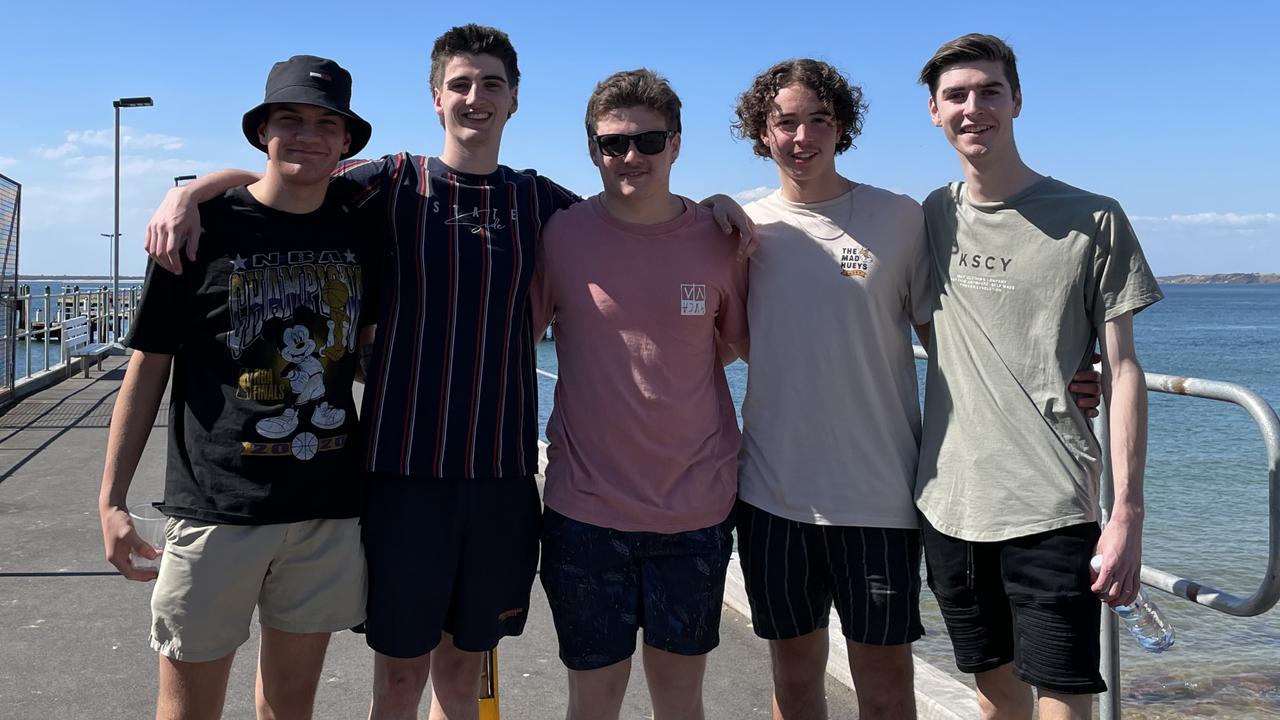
{"x":643,"y":435}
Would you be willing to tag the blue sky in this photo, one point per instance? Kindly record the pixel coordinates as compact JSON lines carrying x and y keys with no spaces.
{"x":1168,"y":107}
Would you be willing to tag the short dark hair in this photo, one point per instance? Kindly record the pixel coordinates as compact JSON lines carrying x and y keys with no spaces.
{"x":829,"y":84}
{"x":473,"y":39}
{"x":634,"y":88}
{"x":973,"y":47}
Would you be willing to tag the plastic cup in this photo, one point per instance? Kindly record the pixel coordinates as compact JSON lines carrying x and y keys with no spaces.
{"x":149,"y":523}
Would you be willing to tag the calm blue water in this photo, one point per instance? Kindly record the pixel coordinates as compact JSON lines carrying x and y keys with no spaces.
{"x":1206,"y":496}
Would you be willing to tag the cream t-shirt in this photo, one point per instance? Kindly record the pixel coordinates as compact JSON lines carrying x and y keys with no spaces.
{"x":831,"y":419}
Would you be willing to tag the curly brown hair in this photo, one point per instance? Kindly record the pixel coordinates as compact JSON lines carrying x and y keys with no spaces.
{"x":831,"y":86}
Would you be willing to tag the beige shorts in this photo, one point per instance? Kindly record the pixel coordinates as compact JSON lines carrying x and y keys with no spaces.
{"x":304,"y":577}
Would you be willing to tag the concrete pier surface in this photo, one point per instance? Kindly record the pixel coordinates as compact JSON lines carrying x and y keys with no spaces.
{"x":73,"y":634}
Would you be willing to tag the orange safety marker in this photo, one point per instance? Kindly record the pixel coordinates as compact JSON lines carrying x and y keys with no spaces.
{"x":489,"y":687}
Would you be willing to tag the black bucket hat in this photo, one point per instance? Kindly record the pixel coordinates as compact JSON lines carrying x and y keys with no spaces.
{"x":309,"y":80}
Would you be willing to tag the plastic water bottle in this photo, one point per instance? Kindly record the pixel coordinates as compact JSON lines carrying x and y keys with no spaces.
{"x":1142,"y":619}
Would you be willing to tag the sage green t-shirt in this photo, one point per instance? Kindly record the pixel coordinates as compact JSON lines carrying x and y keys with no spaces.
{"x":1022,"y":288}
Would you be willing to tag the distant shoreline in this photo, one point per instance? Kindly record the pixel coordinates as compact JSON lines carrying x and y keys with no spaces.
{"x":1223,"y":279}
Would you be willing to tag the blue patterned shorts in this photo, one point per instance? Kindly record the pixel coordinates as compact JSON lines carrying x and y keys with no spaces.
{"x":603,"y":584}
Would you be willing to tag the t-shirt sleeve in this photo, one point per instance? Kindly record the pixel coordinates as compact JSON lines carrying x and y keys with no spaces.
{"x":731,"y":320}
{"x":366,"y":184}
{"x":1125,"y":282}
{"x":541,"y":298}
{"x":919,"y":298}
{"x":553,"y":197}
{"x":157,"y":325}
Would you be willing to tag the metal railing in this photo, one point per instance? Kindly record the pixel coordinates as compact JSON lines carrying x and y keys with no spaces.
{"x":1268,"y":592}
{"x":34,"y":323}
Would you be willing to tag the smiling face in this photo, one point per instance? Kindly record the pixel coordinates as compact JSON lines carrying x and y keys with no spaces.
{"x":304,"y":142}
{"x":801,"y":135}
{"x":633,"y":177}
{"x":975,"y":107}
{"x":474,"y":101}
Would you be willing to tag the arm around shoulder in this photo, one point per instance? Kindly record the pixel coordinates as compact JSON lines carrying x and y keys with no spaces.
{"x":176,"y":223}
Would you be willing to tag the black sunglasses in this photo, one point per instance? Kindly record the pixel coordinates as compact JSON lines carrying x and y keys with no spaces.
{"x":647,"y":143}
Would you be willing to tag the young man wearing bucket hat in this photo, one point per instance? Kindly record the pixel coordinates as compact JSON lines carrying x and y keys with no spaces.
{"x":450,"y":408}
{"x":262,"y":484}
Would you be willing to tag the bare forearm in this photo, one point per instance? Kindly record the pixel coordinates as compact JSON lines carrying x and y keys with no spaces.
{"x":1126,"y":394}
{"x":210,"y":186}
{"x":131,"y":422}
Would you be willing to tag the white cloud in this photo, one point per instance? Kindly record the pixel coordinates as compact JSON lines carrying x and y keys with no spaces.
{"x":7,"y":162}
{"x":1215,"y":219}
{"x":68,"y":199}
{"x":94,"y":138}
{"x":55,"y":153}
{"x":747,"y":196}
{"x":80,"y":142}
{"x":152,"y":140}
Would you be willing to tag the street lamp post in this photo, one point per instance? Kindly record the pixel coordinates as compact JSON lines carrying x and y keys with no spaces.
{"x":115,"y":240}
{"x":111,"y":256}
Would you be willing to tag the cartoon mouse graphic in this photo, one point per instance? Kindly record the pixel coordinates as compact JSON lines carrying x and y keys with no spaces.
{"x":303,"y":371}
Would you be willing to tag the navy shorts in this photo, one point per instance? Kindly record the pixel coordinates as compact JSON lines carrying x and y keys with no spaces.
{"x":794,"y":572}
{"x":456,"y":555}
{"x":604,"y":584}
{"x":1026,"y":600}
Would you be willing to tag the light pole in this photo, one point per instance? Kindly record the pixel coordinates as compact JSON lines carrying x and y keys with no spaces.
{"x":110,"y":255}
{"x":179,"y":179}
{"x":115,"y":240}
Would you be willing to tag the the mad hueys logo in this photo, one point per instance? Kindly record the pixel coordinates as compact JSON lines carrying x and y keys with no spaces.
{"x":855,"y":261}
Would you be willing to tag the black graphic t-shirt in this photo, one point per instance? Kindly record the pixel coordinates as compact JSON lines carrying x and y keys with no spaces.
{"x":263,"y":327}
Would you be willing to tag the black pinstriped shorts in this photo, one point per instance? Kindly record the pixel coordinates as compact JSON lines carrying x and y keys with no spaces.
{"x":795,"y":571}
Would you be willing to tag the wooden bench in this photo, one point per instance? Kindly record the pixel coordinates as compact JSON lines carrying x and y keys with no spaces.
{"x":75,"y":344}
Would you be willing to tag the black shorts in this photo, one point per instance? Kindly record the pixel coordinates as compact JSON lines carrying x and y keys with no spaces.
{"x":794,"y":571}
{"x":449,"y":554}
{"x":603,"y":584}
{"x":1026,"y":600}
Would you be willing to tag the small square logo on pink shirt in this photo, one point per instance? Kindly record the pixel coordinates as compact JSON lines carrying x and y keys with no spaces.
{"x":693,"y":299}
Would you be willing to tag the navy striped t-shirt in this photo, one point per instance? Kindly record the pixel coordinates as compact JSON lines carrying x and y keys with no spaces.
{"x":452,"y":391}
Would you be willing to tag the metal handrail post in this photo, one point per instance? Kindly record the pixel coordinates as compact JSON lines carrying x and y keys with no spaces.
{"x":133,"y":304}
{"x":26,"y":331}
{"x":48,"y":324}
{"x":1109,"y":638}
